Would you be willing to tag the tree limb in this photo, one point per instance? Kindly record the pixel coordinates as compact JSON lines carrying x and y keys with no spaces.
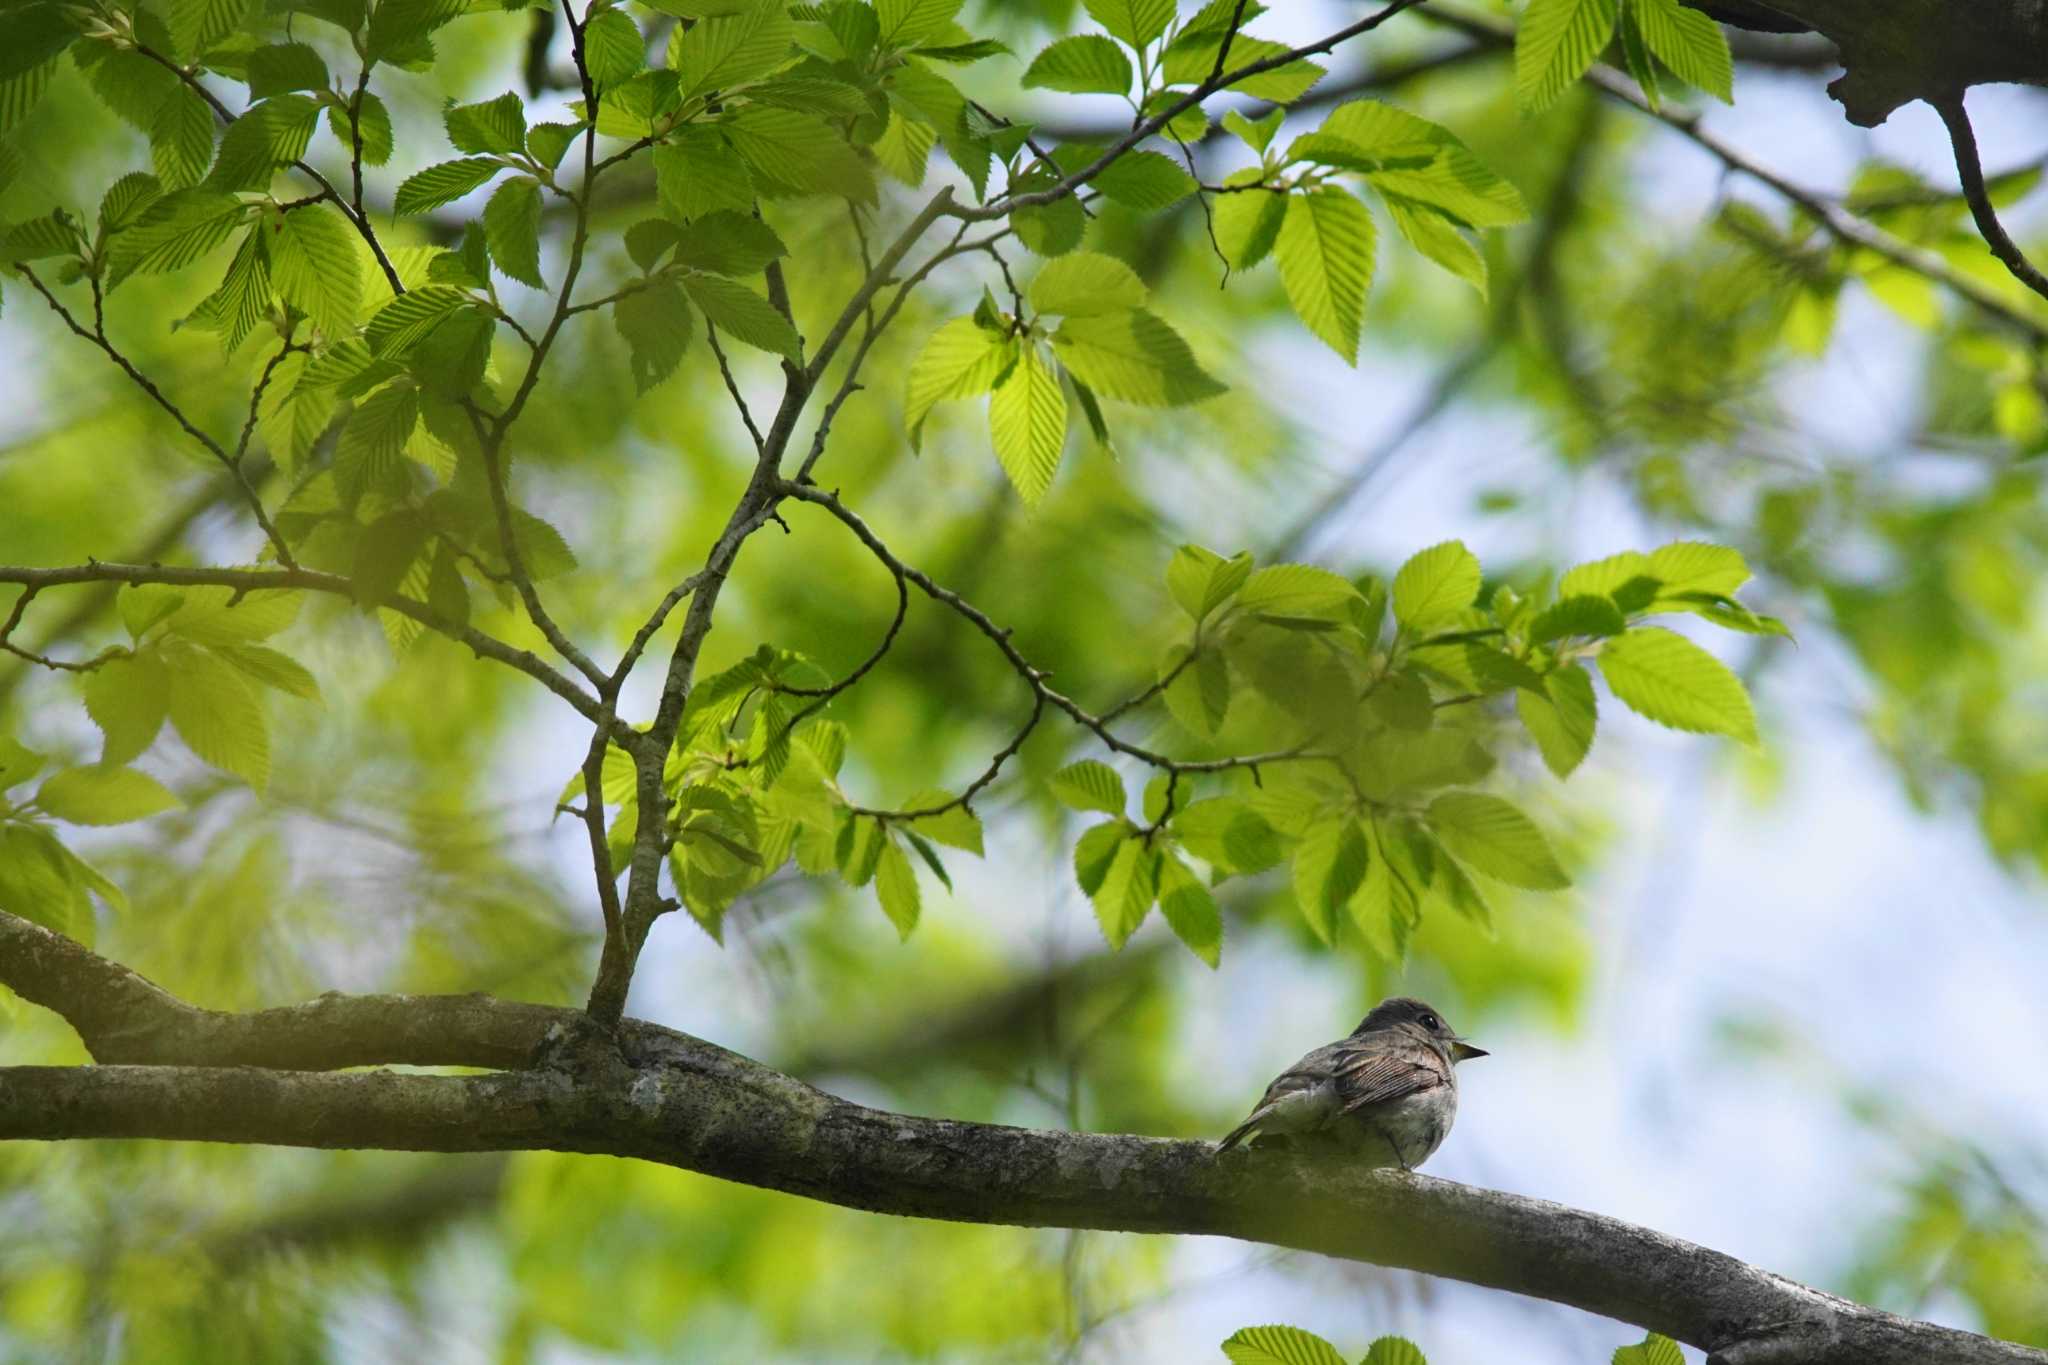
{"x":647,"y":1092}
{"x":1970,"y":171}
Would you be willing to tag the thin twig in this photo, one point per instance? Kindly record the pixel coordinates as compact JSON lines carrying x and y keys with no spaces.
{"x":739,"y":400}
{"x":1971,"y":172}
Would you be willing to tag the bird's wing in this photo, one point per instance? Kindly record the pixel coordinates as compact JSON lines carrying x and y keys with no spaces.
{"x":1369,"y":1076}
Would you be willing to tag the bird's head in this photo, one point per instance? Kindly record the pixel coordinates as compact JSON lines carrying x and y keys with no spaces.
{"x":1409,"y":1015}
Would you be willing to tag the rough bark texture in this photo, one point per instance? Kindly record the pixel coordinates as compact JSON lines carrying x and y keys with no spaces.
{"x":1897,"y":51}
{"x":651,"y":1093}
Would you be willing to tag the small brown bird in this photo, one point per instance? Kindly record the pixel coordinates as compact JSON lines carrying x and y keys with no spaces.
{"x":1390,"y":1090}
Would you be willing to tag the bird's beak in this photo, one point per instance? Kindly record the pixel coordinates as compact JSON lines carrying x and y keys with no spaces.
{"x":1462,"y":1051}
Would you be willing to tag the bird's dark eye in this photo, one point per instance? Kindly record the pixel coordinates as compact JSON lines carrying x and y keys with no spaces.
{"x":1430,"y":1021}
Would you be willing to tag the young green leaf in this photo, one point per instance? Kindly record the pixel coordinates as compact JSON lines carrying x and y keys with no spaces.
{"x":1144,"y":182}
{"x":1135,"y":357}
{"x":1668,"y":679}
{"x":1191,"y":912}
{"x":1296,"y":589}
{"x":1129,"y":886}
{"x":1330,"y":864}
{"x":512,"y":227}
{"x":441,"y":184}
{"x":1247,"y":223}
{"x":1135,"y":22}
{"x":1437,"y":236}
{"x":656,"y":324}
{"x":961,"y":359}
{"x":1090,"y":785}
{"x":698,"y":172}
{"x":492,"y":127}
{"x":1325,"y":250}
{"x":1086,"y":284}
{"x":1652,"y":1350}
{"x":271,"y":668}
{"x":1560,"y":718}
{"x":1689,"y":43}
{"x":1581,"y":614}
{"x":218,"y":716}
{"x":1497,"y":839}
{"x":1435,"y":584}
{"x":1201,"y":580}
{"x":1278,"y":1345}
{"x":1695,"y":566}
{"x":99,"y":795}
{"x":181,"y":140}
{"x":614,"y":49}
{"x":1557,"y":41}
{"x":744,"y":315}
{"x":314,"y":265}
{"x":733,"y":48}
{"x":126,"y":697}
{"x":1085,"y":64}
{"x":728,"y":243}
{"x":1027,"y":420}
{"x":896,"y":887}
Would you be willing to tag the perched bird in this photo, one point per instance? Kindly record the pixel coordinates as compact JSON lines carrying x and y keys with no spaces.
{"x":1390,"y":1090}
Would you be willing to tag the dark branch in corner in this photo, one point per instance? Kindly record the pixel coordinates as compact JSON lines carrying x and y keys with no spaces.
{"x":646,"y":1092}
{"x":1971,"y":172}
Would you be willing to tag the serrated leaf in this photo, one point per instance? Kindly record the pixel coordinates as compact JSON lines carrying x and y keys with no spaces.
{"x":487,"y":127}
{"x":731,"y":50}
{"x":212,"y":615}
{"x":1497,"y":839}
{"x":1435,"y":584}
{"x":956,"y":828}
{"x":174,"y":232}
{"x":798,"y":152}
{"x":272,"y":668}
{"x":314,"y":266}
{"x":267,"y":137}
{"x":1144,"y":182}
{"x":1199,"y":695}
{"x":278,"y":68}
{"x":613,"y":49}
{"x":372,"y":444}
{"x":512,"y":228}
{"x":1330,"y":864}
{"x":656,"y":324}
{"x":1295,"y":589}
{"x":1136,"y":22}
{"x":398,"y":28}
{"x":98,"y":795}
{"x":727,"y":243}
{"x":443,"y":183}
{"x":1279,"y":1345}
{"x":407,"y":320}
{"x":1582,"y":614}
{"x":181,"y":140}
{"x":1083,"y":64}
{"x":1422,"y":162}
{"x":1086,"y":284}
{"x":1689,"y":43}
{"x":38,"y":881}
{"x":744,"y":315}
{"x":1602,"y":577}
{"x":1436,"y":235}
{"x":1325,"y":250}
{"x":126,"y":698}
{"x":1561,"y":718}
{"x":1247,"y":223}
{"x":1652,"y":1350}
{"x":218,"y":716}
{"x":197,"y":25}
{"x":1555,"y":44}
{"x":1393,"y":1351}
{"x":1695,"y":566}
{"x":896,"y":886}
{"x":961,"y":359}
{"x":1129,"y":886}
{"x":1201,"y":580}
{"x":1191,"y":912}
{"x":698,"y":172}
{"x":1666,"y":678}
{"x":906,"y":23}
{"x":1089,"y":785}
{"x":371,"y":127}
{"x":1027,"y":421}
{"x":1134,"y":357}
{"x":18,"y":763}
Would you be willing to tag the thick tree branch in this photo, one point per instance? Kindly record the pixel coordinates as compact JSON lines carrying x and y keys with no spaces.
{"x":647,"y":1092}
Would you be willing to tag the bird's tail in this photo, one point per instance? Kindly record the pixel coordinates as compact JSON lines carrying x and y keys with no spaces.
{"x":1243,"y":1130}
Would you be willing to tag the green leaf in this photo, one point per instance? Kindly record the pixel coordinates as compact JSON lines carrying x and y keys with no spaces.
{"x":174,"y":232}
{"x":1689,"y":43}
{"x":398,"y":28}
{"x":1436,"y":235}
{"x":1201,"y":580}
{"x":17,"y":763}
{"x":1561,"y":718}
{"x":744,"y":315}
{"x":1325,"y":250}
{"x":38,"y":881}
{"x":1555,"y":44}
{"x":1027,"y":420}
{"x":372,"y":444}
{"x":1280,"y":1346}
{"x":31,"y":36}
{"x":99,"y":795}
{"x":906,"y":23}
{"x":265,"y":138}
{"x":1582,"y":614}
{"x":1050,"y":229}
{"x":373,"y":127}
{"x":409,"y":319}
{"x":800,"y":153}
{"x":1085,"y":64}
{"x":126,"y":697}
{"x":656,"y":323}
{"x":385,"y":551}
{"x":731,"y":50}
{"x":281,"y":67}
{"x":1090,"y":785}
{"x":222,"y":616}
{"x":957,"y":828}
{"x":1296,"y":589}
{"x":1393,"y":1351}
{"x":1330,"y":864}
{"x":1191,"y":57}
{"x":1129,"y":886}
{"x":728,"y":243}
{"x":1247,"y":223}
{"x":443,"y":183}
{"x":1086,"y":284}
{"x":613,"y":49}
{"x":1652,"y":1350}
{"x":1423,"y":162}
{"x":698,"y":172}
{"x":1496,"y":839}
{"x":961,"y":359}
{"x":492,"y":126}
{"x":1191,"y":912}
{"x":196,"y":25}
{"x":271,"y":668}
{"x":1435,"y":584}
{"x":1695,"y":566}
{"x":512,"y":228}
{"x":217,"y":715}
{"x":181,"y":140}
{"x":1669,"y":679}
{"x":1135,"y":357}
{"x":896,"y":885}
{"x":1199,"y":695}
{"x":1144,"y":182}
{"x":1601,"y":577}
{"x":314,"y":265}
{"x":1136,"y":22}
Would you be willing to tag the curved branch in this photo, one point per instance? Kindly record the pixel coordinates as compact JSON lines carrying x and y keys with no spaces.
{"x":1970,"y":171}
{"x":650,"y":1093}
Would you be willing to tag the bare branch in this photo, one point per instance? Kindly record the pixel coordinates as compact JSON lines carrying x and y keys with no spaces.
{"x":1971,"y":172}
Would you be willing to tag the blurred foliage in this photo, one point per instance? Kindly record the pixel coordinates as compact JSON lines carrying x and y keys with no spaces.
{"x":400,"y":831}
